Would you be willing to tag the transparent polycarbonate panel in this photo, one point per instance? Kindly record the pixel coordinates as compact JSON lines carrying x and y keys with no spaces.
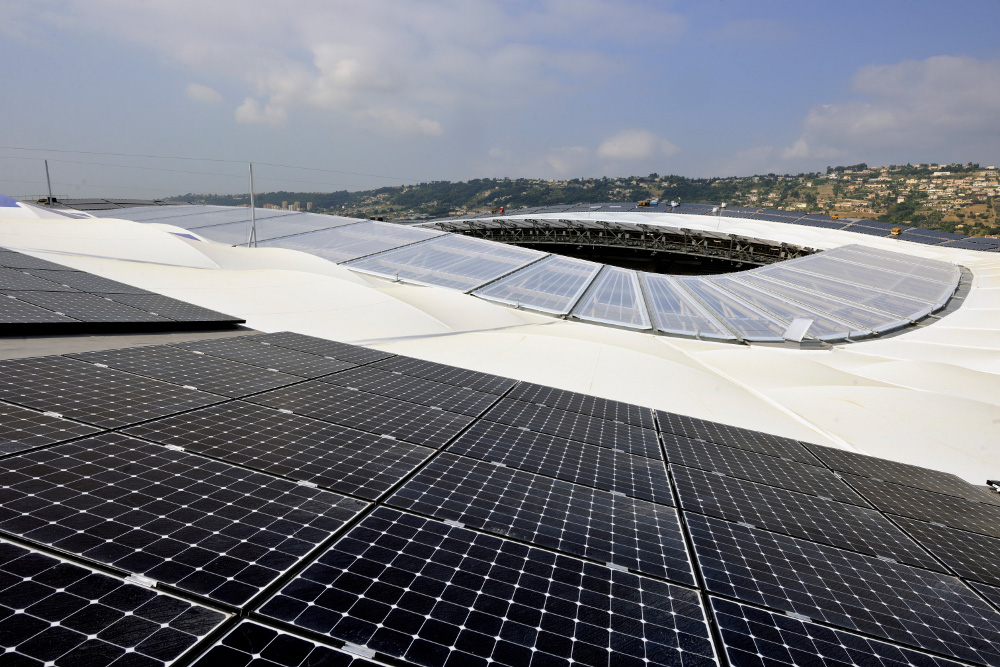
{"x":233,"y":233}
{"x":824,"y":303}
{"x":144,"y":213}
{"x":200,"y":221}
{"x":614,"y":298}
{"x":453,"y":261}
{"x":552,"y":285}
{"x":894,"y":304}
{"x":348,"y":242}
{"x":948,"y":274}
{"x":901,"y":257}
{"x":676,"y":312}
{"x":299,"y":223}
{"x":878,"y":279}
{"x":824,"y":327}
{"x":738,"y":315}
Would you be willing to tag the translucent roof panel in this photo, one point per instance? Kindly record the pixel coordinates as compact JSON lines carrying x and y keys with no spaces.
{"x":201,"y":220}
{"x":876,"y":278}
{"x":233,"y":233}
{"x":894,"y":304}
{"x":143,"y":213}
{"x":614,"y":298}
{"x":552,"y":285}
{"x":300,"y":223}
{"x":674,"y":311}
{"x":899,"y":257}
{"x":739,"y":316}
{"x":825,"y":303}
{"x":824,"y":327}
{"x":349,"y":242}
{"x":453,"y":261}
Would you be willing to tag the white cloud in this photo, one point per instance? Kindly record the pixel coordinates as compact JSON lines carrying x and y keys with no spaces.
{"x":632,"y":145}
{"x":200,"y":93}
{"x":251,"y":112}
{"x":569,"y":159}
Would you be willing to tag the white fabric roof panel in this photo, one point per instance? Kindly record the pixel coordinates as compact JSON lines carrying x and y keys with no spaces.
{"x":749,"y":323}
{"x":552,"y":285}
{"x":614,"y":298}
{"x":348,"y":242}
{"x":453,"y":261}
{"x":674,"y":311}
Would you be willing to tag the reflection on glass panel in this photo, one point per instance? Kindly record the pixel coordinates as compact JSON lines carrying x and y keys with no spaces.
{"x":614,"y":298}
{"x":676,"y":312}
{"x":950,"y":270}
{"x":453,"y":261}
{"x":348,"y":242}
{"x":738,"y":315}
{"x":877,"y":279}
{"x":552,"y":285}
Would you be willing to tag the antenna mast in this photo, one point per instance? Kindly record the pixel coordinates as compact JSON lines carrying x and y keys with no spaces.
{"x":252,"y":241}
{"x":49,"y":181}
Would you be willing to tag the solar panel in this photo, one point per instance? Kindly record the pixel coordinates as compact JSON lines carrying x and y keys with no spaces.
{"x":99,"y":396}
{"x":733,"y":436}
{"x":16,"y":312}
{"x":253,"y":643}
{"x":756,"y":637}
{"x":632,"y":534}
{"x":901,"y":473}
{"x":572,"y":425}
{"x":18,"y":260}
{"x":88,"y":307}
{"x":755,"y":467}
{"x":969,"y":555}
{"x":901,"y":603}
{"x":590,"y":465}
{"x":796,"y":514}
{"x":174,"y":309}
{"x":247,"y":350}
{"x":991,"y":593}
{"x":252,"y":436}
{"x":323,"y":347}
{"x":21,"y":429}
{"x":918,"y":504}
{"x":199,"y":371}
{"x":203,"y":526}
{"x":371,"y":413}
{"x":415,"y":390}
{"x":589,"y":405}
{"x":86,"y":282}
{"x":460,"y":377}
{"x":432,"y":594}
{"x":58,"y":613}
{"x":17,"y":280}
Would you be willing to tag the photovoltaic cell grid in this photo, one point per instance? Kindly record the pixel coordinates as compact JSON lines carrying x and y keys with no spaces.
{"x":575,"y":426}
{"x":328,"y":455}
{"x":252,"y":643}
{"x":211,"y":374}
{"x":434,"y":594}
{"x":173,"y":309}
{"x":86,"y":282}
{"x":830,"y":522}
{"x":460,"y":377}
{"x":969,"y":555}
{"x":991,"y":593}
{"x":18,"y":260}
{"x":86,"y":307}
{"x":912,"y":606}
{"x":755,"y":638}
{"x":733,"y":436}
{"x":203,"y":526}
{"x":56,"y":612}
{"x":324,"y":348}
{"x":16,"y":280}
{"x":14,"y":311}
{"x":577,"y":462}
{"x":633,"y":534}
{"x":21,"y":429}
{"x":246,"y":350}
{"x":584,"y":404}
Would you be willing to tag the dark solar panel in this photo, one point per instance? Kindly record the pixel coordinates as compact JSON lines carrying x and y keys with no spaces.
{"x":14,"y":311}
{"x":991,"y":593}
{"x":88,"y":307}
{"x":969,"y":555}
{"x":901,"y":473}
{"x":174,"y":309}
{"x":415,"y":390}
{"x":577,"y":462}
{"x":633,"y":534}
{"x":434,"y":594}
{"x":16,"y":280}
{"x":756,"y":637}
{"x":572,"y":425}
{"x":99,"y":396}
{"x":909,"y":605}
{"x":328,"y":455}
{"x":323,"y":347}
{"x":838,"y":524}
{"x":919,"y":504}
{"x":870,"y":231}
{"x":198,"y":371}
{"x":86,"y":282}
{"x":57,"y":613}
{"x":203,"y":526}
{"x":371,"y":413}
{"x":18,"y":260}
{"x":245,"y":350}
{"x":252,"y":643}
{"x":21,"y":429}
{"x":770,"y":470}
{"x":584,"y":404}
{"x":733,"y":436}
{"x":969,"y":244}
{"x":461,"y":377}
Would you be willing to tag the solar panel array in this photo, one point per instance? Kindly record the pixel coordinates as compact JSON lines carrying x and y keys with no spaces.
{"x":229,"y":502}
{"x":42,"y":297}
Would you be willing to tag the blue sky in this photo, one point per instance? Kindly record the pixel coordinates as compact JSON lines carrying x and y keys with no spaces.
{"x":411,"y":91}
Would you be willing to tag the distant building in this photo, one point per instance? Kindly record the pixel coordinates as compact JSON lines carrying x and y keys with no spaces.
{"x":309,"y":206}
